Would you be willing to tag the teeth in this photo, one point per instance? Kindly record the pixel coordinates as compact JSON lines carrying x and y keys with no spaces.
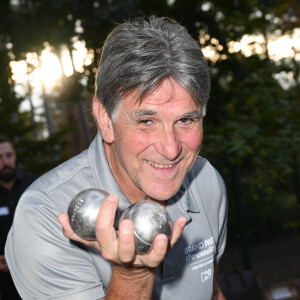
{"x":160,"y":166}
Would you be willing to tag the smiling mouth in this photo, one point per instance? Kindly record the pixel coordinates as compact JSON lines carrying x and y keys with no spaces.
{"x":160,"y":166}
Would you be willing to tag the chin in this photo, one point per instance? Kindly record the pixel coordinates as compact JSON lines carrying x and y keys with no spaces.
{"x":162,"y":195}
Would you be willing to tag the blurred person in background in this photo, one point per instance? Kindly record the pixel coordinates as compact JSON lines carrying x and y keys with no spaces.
{"x":13,"y":183}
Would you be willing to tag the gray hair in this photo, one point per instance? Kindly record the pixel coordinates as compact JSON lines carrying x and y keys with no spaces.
{"x":138,"y":55}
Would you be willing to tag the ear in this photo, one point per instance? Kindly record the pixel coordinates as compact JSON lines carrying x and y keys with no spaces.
{"x":103,"y":120}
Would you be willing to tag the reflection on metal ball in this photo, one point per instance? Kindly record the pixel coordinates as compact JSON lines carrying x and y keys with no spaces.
{"x":83,"y":211}
{"x":149,"y":219}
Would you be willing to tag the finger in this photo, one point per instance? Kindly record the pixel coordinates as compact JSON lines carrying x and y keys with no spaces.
{"x":126,"y":245}
{"x":177,"y":230}
{"x":69,"y":233}
{"x":158,"y":251}
{"x":105,"y":231}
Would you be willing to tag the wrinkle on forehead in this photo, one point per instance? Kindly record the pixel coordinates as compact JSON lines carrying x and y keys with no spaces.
{"x":162,"y":94}
{"x":167,"y":85}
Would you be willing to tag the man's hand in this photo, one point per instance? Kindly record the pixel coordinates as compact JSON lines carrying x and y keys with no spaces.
{"x":119,"y":246}
{"x":3,"y":264}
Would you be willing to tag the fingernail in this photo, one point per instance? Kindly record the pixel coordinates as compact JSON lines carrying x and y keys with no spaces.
{"x":112,"y":198}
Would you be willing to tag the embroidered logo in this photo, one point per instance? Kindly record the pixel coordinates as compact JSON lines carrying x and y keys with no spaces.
{"x":199,"y":255}
{"x":206,"y":275}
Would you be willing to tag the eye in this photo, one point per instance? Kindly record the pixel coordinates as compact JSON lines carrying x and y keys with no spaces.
{"x":186,"y":121}
{"x":9,"y":155}
{"x":189,"y":122}
{"x":145,"y":122}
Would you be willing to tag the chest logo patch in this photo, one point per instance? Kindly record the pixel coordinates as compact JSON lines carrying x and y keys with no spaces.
{"x":199,"y":255}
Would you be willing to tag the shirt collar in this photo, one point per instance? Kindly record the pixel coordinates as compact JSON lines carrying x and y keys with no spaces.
{"x":182,"y":203}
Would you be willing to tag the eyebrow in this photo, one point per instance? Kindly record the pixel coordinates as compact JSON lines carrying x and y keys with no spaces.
{"x":193,"y":114}
{"x":144,"y":112}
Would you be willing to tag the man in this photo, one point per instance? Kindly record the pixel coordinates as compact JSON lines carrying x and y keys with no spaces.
{"x":152,"y":87}
{"x":13,"y":183}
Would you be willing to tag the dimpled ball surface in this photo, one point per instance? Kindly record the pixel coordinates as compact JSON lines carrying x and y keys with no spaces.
{"x":149,"y":219}
{"x":83,"y":211}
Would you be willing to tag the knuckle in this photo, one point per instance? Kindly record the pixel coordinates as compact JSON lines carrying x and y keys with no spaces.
{"x":107,"y":254}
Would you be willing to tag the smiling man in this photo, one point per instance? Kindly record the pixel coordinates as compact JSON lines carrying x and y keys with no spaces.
{"x":152,"y":88}
{"x":152,"y":144}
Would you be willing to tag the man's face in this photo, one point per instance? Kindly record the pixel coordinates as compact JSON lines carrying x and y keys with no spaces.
{"x":155,"y":142}
{"x":7,"y":162}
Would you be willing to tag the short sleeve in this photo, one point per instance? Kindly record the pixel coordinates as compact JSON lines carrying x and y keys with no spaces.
{"x":45,"y":264}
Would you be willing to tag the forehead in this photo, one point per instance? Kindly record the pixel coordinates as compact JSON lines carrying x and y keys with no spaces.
{"x":169,"y":95}
{"x":5,"y":147}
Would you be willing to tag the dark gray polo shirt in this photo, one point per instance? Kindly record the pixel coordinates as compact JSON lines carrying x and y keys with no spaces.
{"x":46,"y":265}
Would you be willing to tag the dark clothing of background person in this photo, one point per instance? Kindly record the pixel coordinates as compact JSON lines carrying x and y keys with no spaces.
{"x":8,"y":202}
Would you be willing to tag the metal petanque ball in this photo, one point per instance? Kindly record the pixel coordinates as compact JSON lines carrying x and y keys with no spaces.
{"x":149,"y":219}
{"x":83,"y":211}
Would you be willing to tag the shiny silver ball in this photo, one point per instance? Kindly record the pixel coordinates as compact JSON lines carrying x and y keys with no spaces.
{"x":149,"y":219}
{"x":83,"y":211}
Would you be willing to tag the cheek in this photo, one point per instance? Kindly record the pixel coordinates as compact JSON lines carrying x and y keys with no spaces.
{"x":131,"y":143}
{"x":192,"y":140}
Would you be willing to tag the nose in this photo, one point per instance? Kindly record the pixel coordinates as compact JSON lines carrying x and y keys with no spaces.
{"x":5,"y":160}
{"x":168,"y":144}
